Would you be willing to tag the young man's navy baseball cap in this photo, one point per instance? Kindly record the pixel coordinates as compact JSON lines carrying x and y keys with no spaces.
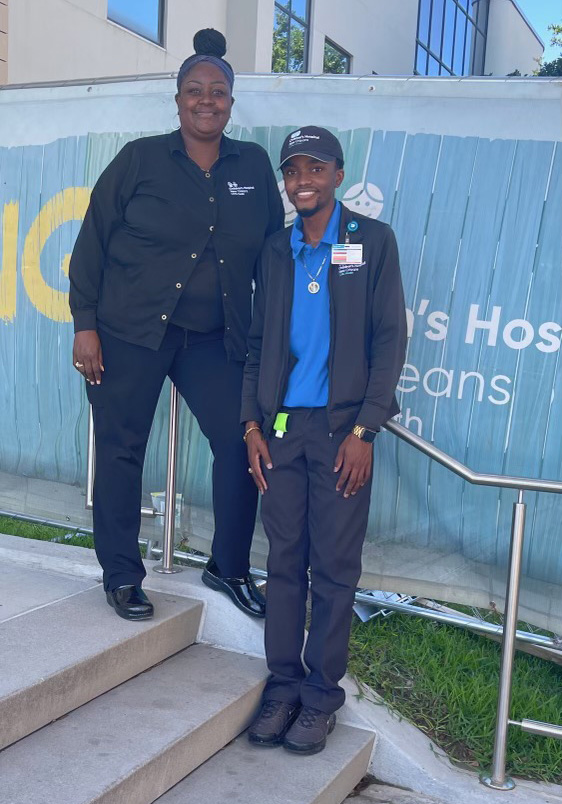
{"x":312,"y":141}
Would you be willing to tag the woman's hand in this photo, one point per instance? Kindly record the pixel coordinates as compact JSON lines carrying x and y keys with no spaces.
{"x":87,"y":356}
{"x":355,"y":459}
{"x":257,"y":452}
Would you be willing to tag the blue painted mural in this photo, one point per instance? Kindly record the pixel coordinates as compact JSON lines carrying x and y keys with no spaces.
{"x":478,"y":226}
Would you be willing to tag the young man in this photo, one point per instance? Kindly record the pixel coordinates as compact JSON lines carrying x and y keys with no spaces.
{"x":325,"y":352}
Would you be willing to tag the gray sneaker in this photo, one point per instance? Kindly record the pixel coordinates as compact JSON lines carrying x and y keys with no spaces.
{"x":270,"y":726}
{"x":308,"y":733}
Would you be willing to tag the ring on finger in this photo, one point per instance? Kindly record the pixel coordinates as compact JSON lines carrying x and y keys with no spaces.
{"x":250,"y":470}
{"x":79,"y":365}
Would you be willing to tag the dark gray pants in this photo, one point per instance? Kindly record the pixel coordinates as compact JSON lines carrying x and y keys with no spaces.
{"x":309,"y":524}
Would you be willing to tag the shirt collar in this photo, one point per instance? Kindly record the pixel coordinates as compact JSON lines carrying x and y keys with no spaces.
{"x":329,"y":237}
{"x":227,"y":146}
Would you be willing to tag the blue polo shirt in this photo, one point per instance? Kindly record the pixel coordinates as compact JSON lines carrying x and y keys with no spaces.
{"x":310,"y":317}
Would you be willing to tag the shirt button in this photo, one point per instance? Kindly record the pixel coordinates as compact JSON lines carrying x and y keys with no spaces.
{"x":211,"y":228}
{"x":207,"y":175}
{"x":194,"y":256}
{"x":164,"y":318}
{"x":225,"y":294}
{"x":211,"y":199}
{"x":178,"y":285}
{"x":228,"y":329}
{"x":221,"y":262}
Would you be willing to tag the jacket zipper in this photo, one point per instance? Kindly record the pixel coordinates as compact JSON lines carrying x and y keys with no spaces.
{"x":332,"y":341}
{"x":282,"y":385}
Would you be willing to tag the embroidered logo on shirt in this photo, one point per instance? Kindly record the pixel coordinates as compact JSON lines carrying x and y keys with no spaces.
{"x":346,"y":270}
{"x":235,"y":189}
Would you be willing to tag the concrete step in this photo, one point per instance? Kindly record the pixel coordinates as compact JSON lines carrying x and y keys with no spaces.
{"x":385,"y":794}
{"x":244,"y":773}
{"x":130,"y":745}
{"x":61,"y":655}
{"x":24,"y":588}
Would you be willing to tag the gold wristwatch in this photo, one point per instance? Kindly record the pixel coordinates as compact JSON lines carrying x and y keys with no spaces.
{"x":364,"y":434}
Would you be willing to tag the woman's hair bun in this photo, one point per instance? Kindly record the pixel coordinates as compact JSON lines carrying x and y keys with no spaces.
{"x":209,"y":42}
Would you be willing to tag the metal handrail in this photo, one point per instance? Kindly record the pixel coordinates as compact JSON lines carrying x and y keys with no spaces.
{"x":477,"y":478}
{"x":497,"y":778}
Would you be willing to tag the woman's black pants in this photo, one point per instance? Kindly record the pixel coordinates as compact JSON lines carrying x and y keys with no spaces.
{"x":123,"y":409}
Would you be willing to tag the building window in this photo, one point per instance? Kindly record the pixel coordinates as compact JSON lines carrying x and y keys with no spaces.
{"x":451,"y":37}
{"x":144,"y":17}
{"x":290,"y":36}
{"x":336,"y":60}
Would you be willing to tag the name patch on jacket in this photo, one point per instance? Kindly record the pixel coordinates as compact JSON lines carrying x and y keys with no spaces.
{"x":347,"y":270}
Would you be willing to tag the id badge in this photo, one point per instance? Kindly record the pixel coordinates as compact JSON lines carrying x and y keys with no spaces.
{"x":347,"y":253}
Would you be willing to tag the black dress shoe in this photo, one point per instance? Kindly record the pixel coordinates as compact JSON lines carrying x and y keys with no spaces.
{"x":272,"y":723}
{"x":130,"y":602}
{"x":242,"y":591}
{"x":308,"y":733}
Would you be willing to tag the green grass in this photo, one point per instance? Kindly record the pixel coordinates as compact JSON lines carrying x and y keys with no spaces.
{"x":444,"y":680}
{"x":49,"y":533}
{"x":45,"y":533}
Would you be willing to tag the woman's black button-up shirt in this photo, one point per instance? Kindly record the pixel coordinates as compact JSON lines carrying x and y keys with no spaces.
{"x":153,"y":215}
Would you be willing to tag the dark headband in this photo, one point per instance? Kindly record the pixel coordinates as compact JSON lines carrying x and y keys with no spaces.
{"x":197,"y":59}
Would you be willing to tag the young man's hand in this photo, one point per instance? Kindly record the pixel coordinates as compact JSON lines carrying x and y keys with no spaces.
{"x":257,"y":452}
{"x":355,"y":459}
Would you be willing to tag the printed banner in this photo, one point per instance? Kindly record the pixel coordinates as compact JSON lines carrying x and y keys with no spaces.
{"x":477,"y":218}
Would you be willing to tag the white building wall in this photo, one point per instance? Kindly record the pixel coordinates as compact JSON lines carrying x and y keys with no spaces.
{"x":249,"y":33}
{"x":512,"y":44}
{"x":57,"y":40}
{"x":3,"y":41}
{"x":380,"y":35}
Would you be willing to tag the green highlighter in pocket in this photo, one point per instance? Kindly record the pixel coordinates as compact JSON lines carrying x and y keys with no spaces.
{"x":280,"y":424}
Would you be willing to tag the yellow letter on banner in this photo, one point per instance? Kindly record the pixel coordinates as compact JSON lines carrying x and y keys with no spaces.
{"x":68,"y":205}
{"x":8,"y":267}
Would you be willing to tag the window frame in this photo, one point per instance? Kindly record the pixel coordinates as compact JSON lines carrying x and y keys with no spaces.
{"x":342,"y":51}
{"x":160,"y":41}
{"x":477,"y":17}
{"x":292,"y":17}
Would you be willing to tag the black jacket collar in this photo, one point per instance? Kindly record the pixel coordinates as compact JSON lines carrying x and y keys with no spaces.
{"x":347,"y":217}
{"x":227,"y":147}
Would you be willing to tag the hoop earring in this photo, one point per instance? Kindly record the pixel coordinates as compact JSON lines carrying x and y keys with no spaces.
{"x":231,"y":123}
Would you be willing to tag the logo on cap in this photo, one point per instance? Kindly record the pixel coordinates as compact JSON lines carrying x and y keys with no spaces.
{"x":295,"y":134}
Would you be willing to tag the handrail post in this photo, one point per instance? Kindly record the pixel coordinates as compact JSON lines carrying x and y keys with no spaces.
{"x":167,"y":567}
{"x":90,"y":460}
{"x":91,"y":469}
{"x":497,"y":779}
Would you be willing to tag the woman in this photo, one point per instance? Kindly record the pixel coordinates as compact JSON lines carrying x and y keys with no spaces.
{"x":161,"y":282}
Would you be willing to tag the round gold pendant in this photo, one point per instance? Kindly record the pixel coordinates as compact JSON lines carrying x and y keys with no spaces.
{"x":313,"y":287}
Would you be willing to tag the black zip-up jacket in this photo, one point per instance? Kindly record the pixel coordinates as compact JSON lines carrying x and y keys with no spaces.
{"x":367,"y":331}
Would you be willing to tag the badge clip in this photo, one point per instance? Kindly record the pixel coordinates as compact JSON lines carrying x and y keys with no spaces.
{"x":352,"y":226}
